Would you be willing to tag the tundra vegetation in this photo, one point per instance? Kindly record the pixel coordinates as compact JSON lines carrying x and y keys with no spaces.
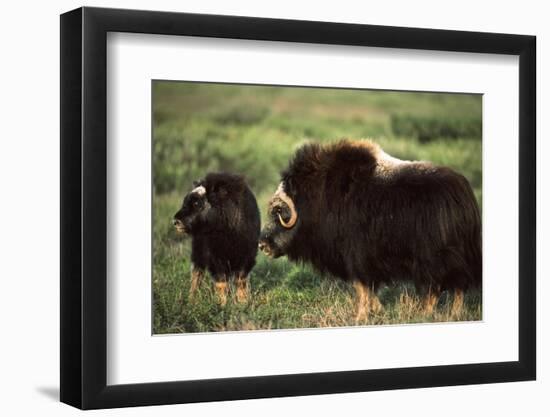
{"x":253,"y":130}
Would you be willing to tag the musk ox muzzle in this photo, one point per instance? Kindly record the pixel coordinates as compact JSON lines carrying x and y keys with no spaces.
{"x":179,"y":226}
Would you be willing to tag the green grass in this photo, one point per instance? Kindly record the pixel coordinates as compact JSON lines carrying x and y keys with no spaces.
{"x":253,"y":131}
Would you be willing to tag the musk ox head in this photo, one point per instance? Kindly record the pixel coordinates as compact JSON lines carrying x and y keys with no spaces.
{"x":194,"y":210}
{"x":281,"y":224}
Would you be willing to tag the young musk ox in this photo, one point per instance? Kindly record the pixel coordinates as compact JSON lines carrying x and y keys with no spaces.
{"x":359,"y":214}
{"x":222,"y":217}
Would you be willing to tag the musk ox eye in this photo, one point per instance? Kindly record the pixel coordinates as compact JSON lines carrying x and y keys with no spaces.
{"x":286,"y":219}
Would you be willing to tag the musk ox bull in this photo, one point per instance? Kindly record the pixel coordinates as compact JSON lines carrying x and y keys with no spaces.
{"x":355,"y":212}
{"x":222,"y":217}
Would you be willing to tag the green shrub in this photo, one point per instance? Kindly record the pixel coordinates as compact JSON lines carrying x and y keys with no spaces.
{"x":427,"y":128}
{"x":239,"y":114}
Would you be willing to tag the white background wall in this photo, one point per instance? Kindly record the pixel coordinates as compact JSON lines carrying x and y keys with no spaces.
{"x":29,"y":207}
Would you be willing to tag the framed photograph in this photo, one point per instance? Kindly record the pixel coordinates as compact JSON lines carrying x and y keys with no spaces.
{"x":257,"y":208}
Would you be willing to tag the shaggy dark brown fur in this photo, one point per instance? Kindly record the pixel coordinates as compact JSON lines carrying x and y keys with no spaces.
{"x":366,"y":217}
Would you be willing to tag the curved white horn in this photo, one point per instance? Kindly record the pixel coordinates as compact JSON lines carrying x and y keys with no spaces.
{"x":288,"y":201}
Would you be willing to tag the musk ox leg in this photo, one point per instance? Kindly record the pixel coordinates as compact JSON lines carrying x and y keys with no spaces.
{"x":458,"y":302}
{"x":375,"y":303}
{"x":430,"y":300}
{"x":241,"y":283}
{"x":197,"y":275}
{"x":366,"y":301}
{"x":361,"y":303}
{"x":220,"y":286}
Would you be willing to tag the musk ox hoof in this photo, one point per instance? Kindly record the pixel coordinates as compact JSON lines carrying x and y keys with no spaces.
{"x":364,"y":312}
{"x":458,"y":303}
{"x":361,"y":315}
{"x":242,"y":290}
{"x":376,"y":305}
{"x":196,"y":279}
{"x":367,"y":302}
{"x":221,"y":292}
{"x":430,"y":299}
{"x":430,"y":302}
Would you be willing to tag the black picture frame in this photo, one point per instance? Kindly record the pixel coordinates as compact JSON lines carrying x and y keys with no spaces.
{"x":84,"y":207}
